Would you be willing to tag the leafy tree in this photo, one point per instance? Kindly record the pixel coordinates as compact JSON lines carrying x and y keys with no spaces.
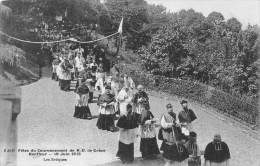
{"x":234,"y":25}
{"x":135,"y":16}
{"x":207,"y":49}
{"x":215,"y":18}
{"x":9,"y":55}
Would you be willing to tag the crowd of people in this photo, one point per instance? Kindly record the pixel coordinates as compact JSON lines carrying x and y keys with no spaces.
{"x":126,"y":108}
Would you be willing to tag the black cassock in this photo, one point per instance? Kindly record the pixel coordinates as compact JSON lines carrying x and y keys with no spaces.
{"x":142,"y":95}
{"x":126,"y":151}
{"x":217,"y":152}
{"x":139,"y":95}
{"x":128,"y":122}
{"x":187,"y":115}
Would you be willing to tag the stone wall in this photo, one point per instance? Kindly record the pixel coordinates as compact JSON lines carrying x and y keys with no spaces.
{"x":10,"y":107}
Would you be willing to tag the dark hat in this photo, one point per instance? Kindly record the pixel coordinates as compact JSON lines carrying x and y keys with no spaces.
{"x":169,"y":105}
{"x":82,"y":89}
{"x":108,"y":87}
{"x":193,"y":134}
{"x":129,"y":106}
{"x":184,"y":101}
{"x":217,"y":137}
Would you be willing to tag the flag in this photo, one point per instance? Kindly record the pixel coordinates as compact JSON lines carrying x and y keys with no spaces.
{"x":66,"y":12}
{"x":120,"y":28}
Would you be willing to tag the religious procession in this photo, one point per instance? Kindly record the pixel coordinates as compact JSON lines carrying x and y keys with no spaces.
{"x":129,"y":82}
{"x":124,"y":106}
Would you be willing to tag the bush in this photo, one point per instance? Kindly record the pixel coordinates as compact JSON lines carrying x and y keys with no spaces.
{"x":236,"y":107}
{"x":225,"y":103}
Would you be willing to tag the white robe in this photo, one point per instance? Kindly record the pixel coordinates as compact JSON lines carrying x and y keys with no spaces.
{"x":130,"y":81}
{"x":99,"y":75}
{"x":63,"y":75}
{"x":58,"y":71}
{"x":100,"y":83}
{"x":124,"y":99}
{"x":54,"y":68}
{"x":79,"y":63}
{"x":115,"y":90}
{"x":107,"y":109}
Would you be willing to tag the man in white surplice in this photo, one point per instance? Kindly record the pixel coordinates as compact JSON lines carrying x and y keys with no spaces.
{"x":100,"y":85}
{"x":79,"y":62}
{"x":124,"y":97}
{"x":129,"y":80}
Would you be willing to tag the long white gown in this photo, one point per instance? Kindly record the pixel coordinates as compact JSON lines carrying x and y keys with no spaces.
{"x":79,"y":63}
{"x":100,"y":83}
{"x":124,"y":99}
{"x":115,"y":90}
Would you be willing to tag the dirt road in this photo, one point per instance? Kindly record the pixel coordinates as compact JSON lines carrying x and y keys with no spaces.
{"x":46,"y":122}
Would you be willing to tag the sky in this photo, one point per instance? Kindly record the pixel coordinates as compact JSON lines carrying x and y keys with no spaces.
{"x":246,"y":11}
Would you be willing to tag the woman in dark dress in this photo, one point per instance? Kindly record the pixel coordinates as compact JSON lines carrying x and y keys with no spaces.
{"x":82,"y":110}
{"x":127,"y":125}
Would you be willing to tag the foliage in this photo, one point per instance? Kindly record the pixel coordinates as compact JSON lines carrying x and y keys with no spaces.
{"x":141,"y":20}
{"x":134,"y":14}
{"x":180,"y":45}
{"x":50,"y":20}
{"x":5,"y":13}
{"x":10,"y":55}
{"x":243,"y":109}
{"x":206,"y":49}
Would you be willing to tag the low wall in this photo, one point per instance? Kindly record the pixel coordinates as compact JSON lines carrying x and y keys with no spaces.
{"x":225,"y":103}
{"x":10,"y":107}
{"x":5,"y":122}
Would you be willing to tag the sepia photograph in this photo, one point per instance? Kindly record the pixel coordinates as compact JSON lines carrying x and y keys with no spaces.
{"x":129,"y":82}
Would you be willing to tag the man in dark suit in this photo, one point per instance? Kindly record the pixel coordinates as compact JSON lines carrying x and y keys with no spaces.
{"x":186,"y":116}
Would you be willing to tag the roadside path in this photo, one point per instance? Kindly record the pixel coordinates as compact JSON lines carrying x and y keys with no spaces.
{"x":46,"y":122}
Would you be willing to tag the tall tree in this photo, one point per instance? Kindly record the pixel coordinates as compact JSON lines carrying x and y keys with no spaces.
{"x":234,"y":25}
{"x":215,"y":18}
